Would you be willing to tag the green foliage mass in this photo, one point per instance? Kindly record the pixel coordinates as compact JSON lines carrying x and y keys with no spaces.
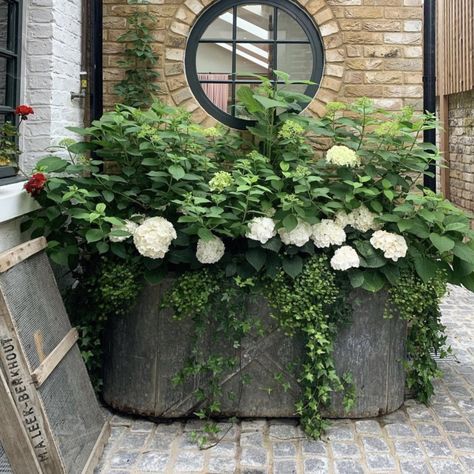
{"x":418,"y":303}
{"x":139,"y":85}
{"x":211,"y":183}
{"x":315,"y":305}
{"x":106,"y":288}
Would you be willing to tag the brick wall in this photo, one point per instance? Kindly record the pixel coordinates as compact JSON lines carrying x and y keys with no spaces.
{"x":373,"y":48}
{"x":51,"y":61}
{"x":461,"y":149}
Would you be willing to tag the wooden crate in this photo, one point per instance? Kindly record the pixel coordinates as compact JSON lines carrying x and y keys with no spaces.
{"x":50,"y":420}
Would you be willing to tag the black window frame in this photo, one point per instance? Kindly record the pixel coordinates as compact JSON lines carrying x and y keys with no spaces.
{"x":13,"y":70}
{"x":211,"y":14}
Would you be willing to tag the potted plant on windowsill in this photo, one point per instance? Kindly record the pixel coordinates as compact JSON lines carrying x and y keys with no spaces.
{"x":207,"y":254}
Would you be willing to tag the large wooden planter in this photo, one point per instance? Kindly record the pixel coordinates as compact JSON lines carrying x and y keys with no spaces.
{"x":147,"y":348}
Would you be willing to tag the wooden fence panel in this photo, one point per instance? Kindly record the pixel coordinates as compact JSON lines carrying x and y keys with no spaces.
{"x":455,"y":46}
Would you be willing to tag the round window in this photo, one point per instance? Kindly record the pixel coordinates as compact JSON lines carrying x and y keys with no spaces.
{"x":235,"y":40}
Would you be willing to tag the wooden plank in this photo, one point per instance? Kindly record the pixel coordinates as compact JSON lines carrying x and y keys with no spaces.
{"x":25,"y":396}
{"x":46,"y":367}
{"x":443,"y":100}
{"x":14,"y":256}
{"x":98,"y":450}
{"x":13,"y":435}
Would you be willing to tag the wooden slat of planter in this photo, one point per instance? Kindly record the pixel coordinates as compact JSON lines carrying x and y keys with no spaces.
{"x":13,"y":435}
{"x":14,"y":256}
{"x":40,"y":375}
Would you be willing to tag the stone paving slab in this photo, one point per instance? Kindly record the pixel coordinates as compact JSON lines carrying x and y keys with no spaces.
{"x":438,"y":439}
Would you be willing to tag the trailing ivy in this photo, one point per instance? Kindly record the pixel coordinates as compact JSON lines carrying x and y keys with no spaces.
{"x":418,"y":304}
{"x":139,"y":84}
{"x":313,"y":304}
{"x":105,"y":289}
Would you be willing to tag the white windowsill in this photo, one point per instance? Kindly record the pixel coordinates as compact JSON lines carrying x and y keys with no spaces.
{"x":15,"y":202}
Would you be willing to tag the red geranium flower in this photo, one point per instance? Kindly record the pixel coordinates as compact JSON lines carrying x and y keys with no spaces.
{"x":23,"y":111}
{"x":35,"y":184}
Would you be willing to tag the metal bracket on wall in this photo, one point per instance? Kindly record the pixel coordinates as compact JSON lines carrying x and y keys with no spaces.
{"x":83,"y":87}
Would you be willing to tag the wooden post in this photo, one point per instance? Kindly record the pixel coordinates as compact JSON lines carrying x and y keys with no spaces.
{"x":443,"y":100}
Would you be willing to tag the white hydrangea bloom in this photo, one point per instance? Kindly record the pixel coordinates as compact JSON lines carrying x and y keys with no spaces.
{"x":129,"y":227}
{"x":328,"y":233}
{"x":364,"y":220}
{"x":299,"y":236}
{"x":342,"y":219}
{"x":344,"y":258}
{"x":340,"y":155}
{"x":210,"y":251}
{"x":261,"y":229}
{"x":393,"y":246}
{"x":153,"y":238}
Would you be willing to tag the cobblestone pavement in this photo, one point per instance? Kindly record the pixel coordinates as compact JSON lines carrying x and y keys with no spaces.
{"x":415,"y":439}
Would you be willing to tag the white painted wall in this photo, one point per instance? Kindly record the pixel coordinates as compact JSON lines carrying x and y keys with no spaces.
{"x":51,"y":63}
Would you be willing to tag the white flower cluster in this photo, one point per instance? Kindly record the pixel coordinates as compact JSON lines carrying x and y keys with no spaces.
{"x":364,"y":220}
{"x":261,"y":229}
{"x":361,"y":219}
{"x":328,"y":233}
{"x":393,"y":246}
{"x":344,"y":258}
{"x":299,"y":236}
{"x":130,"y":227}
{"x":342,"y":156}
{"x":210,"y":251}
{"x":153,"y":238}
{"x":343,"y":219}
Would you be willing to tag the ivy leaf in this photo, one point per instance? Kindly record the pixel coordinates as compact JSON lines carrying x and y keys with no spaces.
{"x":93,"y":235}
{"x":442,"y":243}
{"x":176,"y":171}
{"x":256,"y":257}
{"x":293,"y":266}
{"x":464,"y":252}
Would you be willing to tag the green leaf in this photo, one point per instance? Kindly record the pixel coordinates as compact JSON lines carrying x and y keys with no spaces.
{"x":108,"y":195}
{"x":425,"y":268}
{"x":373,"y":281}
{"x":464,"y":252}
{"x":93,"y":235}
{"x":256,"y":257}
{"x":442,"y":243}
{"x":155,"y":276}
{"x":52,"y":164}
{"x":60,"y":257}
{"x":290,"y":222}
{"x":462,"y":268}
{"x":205,"y":234}
{"x":293,"y":266}
{"x":468,"y":282}
{"x":176,"y":171}
{"x":273,"y":244}
{"x":356,"y":278}
{"x":102,"y":247}
{"x":268,"y":103}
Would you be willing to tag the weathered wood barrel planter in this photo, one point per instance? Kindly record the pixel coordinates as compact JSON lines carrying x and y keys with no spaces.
{"x":145,"y":349}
